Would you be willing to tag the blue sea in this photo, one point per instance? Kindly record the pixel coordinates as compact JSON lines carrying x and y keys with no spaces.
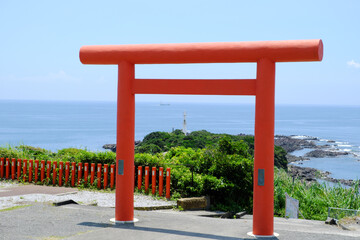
{"x":59,"y":124}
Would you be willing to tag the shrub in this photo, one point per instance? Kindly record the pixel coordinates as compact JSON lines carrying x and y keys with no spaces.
{"x":10,"y":152}
{"x":149,"y":148}
{"x":223,"y":172}
{"x":157,"y":142}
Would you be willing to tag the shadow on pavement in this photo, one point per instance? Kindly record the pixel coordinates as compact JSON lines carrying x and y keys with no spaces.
{"x":168,"y":231}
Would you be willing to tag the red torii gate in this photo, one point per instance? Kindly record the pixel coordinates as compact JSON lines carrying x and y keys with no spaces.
{"x":264,"y":53}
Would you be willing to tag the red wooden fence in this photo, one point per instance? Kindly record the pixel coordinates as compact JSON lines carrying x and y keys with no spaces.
{"x":32,"y":171}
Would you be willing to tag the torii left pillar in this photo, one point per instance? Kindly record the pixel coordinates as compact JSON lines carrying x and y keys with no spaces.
{"x":125,"y":131}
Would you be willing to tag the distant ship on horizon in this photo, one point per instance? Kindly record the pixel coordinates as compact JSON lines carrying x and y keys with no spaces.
{"x":164,"y":104}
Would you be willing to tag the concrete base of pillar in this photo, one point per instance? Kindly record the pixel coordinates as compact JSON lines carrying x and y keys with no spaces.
{"x":262,"y":236}
{"x":123,"y":222}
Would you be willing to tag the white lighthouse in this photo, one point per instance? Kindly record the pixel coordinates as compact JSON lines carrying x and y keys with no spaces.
{"x":184,"y":125}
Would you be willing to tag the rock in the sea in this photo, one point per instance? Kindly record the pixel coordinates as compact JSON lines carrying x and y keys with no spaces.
{"x":292,"y":144}
{"x":112,"y":147}
{"x":292,"y":158}
{"x":347,"y":182}
{"x":309,"y":174}
{"x":322,"y":153}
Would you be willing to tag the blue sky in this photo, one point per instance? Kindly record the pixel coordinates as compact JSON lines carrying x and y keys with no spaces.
{"x":40,"y":42}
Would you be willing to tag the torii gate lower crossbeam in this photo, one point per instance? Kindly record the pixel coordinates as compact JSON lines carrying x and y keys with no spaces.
{"x":265,"y":54}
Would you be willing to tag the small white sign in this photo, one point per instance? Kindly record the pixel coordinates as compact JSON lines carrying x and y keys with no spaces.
{"x":291,"y":207}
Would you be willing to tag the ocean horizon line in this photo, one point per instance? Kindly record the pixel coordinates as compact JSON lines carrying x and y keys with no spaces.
{"x":162,"y":102}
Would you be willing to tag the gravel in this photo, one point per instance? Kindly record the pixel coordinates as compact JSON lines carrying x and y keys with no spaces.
{"x":100,"y":199}
{"x":7,"y":184}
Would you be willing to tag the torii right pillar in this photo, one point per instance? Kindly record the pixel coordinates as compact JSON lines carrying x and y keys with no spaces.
{"x":263,"y":201}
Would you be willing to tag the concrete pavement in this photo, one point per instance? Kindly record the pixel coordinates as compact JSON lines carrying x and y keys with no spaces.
{"x":17,"y":190}
{"x":76,"y":222}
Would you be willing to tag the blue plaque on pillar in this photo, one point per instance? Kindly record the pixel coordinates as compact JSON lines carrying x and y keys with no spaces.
{"x":261,"y":177}
{"x":120,"y":167}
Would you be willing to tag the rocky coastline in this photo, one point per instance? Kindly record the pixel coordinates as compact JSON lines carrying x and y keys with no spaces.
{"x":312,"y":174}
{"x":318,"y":153}
{"x":292,"y":143}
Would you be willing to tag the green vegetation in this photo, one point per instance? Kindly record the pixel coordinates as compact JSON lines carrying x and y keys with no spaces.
{"x":224,"y":172}
{"x":15,"y":207}
{"x":84,"y":156}
{"x":199,"y":139}
{"x":314,"y":198}
{"x":215,"y":165}
{"x":66,"y":154}
{"x":157,"y":142}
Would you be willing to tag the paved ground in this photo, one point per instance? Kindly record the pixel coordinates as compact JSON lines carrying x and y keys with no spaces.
{"x":46,"y":222}
{"x":16,"y":194}
{"x":17,"y":190}
{"x":77,"y":222}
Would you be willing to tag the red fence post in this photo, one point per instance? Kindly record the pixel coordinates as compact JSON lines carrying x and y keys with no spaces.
{"x":147,"y":179}
{"x":153,"y":180}
{"x":13,"y":164}
{"x":168,"y":183}
{"x":92,"y":173}
{"x":139,"y":177}
{"x":24,"y":169}
{"x":48,"y":167}
{"x":79,"y":172}
{"x":86,"y":172}
{"x":36,"y":173}
{"x":2,"y":167}
{"x":30,"y":170}
{"x":106,"y":171}
{"x":42,"y":171}
{"x":73,"y":169}
{"x":61,"y":167}
{"x":18,"y":169}
{"x":161,"y":179}
{"x":54,"y":172}
{"x":7,"y":168}
{"x":67,"y":172}
{"x":99,"y":175}
{"x":112,"y":175}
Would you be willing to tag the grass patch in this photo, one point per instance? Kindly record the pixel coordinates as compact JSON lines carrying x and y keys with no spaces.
{"x":314,"y":198}
{"x":15,"y":207}
{"x":58,"y":237}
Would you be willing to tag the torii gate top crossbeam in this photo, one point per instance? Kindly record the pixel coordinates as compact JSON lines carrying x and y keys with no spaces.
{"x":225,"y":52}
